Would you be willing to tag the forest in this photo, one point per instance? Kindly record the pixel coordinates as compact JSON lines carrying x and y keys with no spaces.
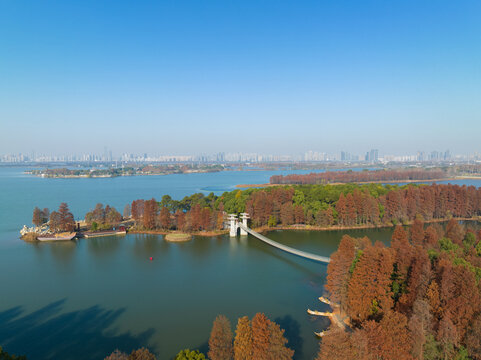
{"x":359,"y":176}
{"x":420,"y":298}
{"x":259,"y":338}
{"x":310,"y":206}
{"x":323,"y":206}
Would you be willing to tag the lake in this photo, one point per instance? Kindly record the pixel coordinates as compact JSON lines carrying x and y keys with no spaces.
{"x":85,"y":298}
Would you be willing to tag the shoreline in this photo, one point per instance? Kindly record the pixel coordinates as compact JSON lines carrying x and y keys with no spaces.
{"x":166,"y":232}
{"x":366,"y":182}
{"x":264,"y":229}
{"x":114,"y":176}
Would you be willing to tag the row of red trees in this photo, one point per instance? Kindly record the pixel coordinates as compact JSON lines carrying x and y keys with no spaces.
{"x":61,"y":220}
{"x":260,"y":339}
{"x":150,"y":216}
{"x":357,"y":176}
{"x":418,"y":299}
{"x":101,"y":217}
{"x":360,"y":207}
{"x":342,"y":205}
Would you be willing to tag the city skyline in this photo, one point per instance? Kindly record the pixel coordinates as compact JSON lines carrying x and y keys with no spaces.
{"x":371,"y":156}
{"x":263,"y":77}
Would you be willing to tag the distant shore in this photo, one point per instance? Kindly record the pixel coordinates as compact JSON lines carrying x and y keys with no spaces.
{"x":368,"y":182}
{"x":84,"y":176}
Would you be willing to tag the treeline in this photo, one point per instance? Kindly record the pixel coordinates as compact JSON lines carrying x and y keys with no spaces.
{"x":260,"y":339}
{"x":353,"y":205}
{"x":344,"y":205}
{"x":61,"y":220}
{"x":151,"y":215}
{"x":468,"y":169}
{"x":357,"y":176}
{"x":102,"y":218}
{"x":347,"y":205}
{"x":418,"y":299}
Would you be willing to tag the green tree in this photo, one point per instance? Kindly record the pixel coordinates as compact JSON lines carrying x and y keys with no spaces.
{"x":462,"y":354}
{"x":190,"y":355}
{"x":432,"y":349}
{"x":478,"y":249}
{"x":469,"y":240}
{"x":272,"y":222}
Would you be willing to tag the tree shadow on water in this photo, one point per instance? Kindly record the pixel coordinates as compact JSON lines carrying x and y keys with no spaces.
{"x":292,"y":334}
{"x":82,"y":334}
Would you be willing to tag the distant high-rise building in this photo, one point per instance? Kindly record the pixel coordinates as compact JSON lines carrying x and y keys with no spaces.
{"x":345,"y":156}
{"x":372,"y":155}
{"x":421,"y":156}
{"x":447,"y":155}
{"x":220,"y":157}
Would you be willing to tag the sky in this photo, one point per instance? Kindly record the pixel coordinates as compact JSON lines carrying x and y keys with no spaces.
{"x":279,"y":77}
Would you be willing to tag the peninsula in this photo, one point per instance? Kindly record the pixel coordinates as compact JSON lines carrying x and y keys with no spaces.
{"x":140,"y":170}
{"x":307,"y":207}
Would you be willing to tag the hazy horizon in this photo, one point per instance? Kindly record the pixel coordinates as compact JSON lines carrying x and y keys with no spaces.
{"x":187,"y":77}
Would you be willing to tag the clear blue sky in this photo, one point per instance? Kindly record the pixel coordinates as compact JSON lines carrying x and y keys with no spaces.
{"x":255,"y":76}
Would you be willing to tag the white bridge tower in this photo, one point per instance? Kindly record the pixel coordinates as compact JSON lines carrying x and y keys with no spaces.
{"x":233,"y":225}
{"x":244,"y":217}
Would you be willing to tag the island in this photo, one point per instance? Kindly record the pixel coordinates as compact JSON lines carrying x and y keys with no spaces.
{"x":141,"y":170}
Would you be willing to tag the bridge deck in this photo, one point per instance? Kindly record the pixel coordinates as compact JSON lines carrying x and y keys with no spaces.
{"x":288,"y":249}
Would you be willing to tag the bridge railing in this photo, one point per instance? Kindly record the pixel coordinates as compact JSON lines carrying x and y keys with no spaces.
{"x":285,"y":248}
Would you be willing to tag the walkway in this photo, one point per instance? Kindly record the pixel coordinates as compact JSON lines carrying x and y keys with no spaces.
{"x":288,"y":249}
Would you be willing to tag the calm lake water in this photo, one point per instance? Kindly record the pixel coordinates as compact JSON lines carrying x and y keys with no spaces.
{"x":85,"y":298}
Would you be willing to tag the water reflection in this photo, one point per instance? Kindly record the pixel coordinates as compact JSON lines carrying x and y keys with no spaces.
{"x":104,"y":246}
{"x":53,"y":334}
{"x":149,"y":245}
{"x":292,"y":333}
{"x":62,"y":251}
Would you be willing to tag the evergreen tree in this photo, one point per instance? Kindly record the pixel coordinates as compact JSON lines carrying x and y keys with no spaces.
{"x":190,"y":355}
{"x":54,"y":221}
{"x":164,"y":218}
{"x":37,"y":218}
{"x":243,"y":339}
{"x":277,"y":344}
{"x":220,"y":341}
{"x":141,"y":354}
{"x":260,"y":337}
{"x":66,"y":219}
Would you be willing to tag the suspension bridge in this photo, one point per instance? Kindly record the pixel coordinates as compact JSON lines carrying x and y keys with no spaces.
{"x":235,"y":225}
